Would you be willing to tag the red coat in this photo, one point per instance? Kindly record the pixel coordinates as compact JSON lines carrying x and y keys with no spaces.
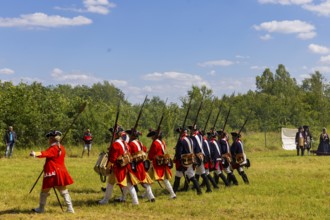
{"x":134,"y":147}
{"x":55,"y":172}
{"x":158,"y":148}
{"x":117,"y":149}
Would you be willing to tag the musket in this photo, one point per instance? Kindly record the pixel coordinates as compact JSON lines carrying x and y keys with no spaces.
{"x":161,"y":119}
{"x":185,"y":118}
{"x":198,"y":111}
{"x":208,"y":117}
{"x":216,"y":119}
{"x":140,"y":113}
{"x":224,"y":125}
{"x":81,"y":109}
{"x":115,"y":126}
{"x":247,"y":117}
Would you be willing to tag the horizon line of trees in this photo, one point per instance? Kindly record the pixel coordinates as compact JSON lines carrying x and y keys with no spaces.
{"x":34,"y":109}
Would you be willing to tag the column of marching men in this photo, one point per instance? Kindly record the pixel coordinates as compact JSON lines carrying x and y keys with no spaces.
{"x":197,"y":154}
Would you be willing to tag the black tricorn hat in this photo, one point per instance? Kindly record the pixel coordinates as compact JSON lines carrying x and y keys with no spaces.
{"x":235,"y":134}
{"x":133,"y":132}
{"x":119,"y":129}
{"x":220,"y":132}
{"x":53,"y":133}
{"x":179,"y":129}
{"x":151,"y":133}
{"x":305,"y":126}
{"x":193,"y":127}
{"x":212,"y":134}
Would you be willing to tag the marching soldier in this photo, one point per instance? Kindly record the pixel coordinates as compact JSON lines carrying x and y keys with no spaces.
{"x":184,"y":159}
{"x":208,"y":161}
{"x":138,"y":152}
{"x":119,"y":164}
{"x":300,"y":141}
{"x":161,"y":161}
{"x":55,"y":172}
{"x":239,"y":156}
{"x":226,"y":156}
{"x":197,"y":139}
{"x":216,"y":158}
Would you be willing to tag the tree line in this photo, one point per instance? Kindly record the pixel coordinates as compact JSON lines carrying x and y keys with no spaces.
{"x":278,"y":101}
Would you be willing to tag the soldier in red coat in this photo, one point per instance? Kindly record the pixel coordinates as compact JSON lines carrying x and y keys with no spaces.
{"x":138,"y":152}
{"x":119,"y":164}
{"x":161,"y":161}
{"x":55,"y":172}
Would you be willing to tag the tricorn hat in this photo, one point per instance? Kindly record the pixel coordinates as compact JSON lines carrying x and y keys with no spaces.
{"x":220,"y":132}
{"x":212,"y":134}
{"x":118,"y":129}
{"x":235,"y":134}
{"x":179,"y":129}
{"x":53,"y":133}
{"x":133,"y":132}
{"x":151,"y":133}
{"x":193,"y":127}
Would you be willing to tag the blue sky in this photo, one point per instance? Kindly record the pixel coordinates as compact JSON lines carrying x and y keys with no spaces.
{"x":162,"y":48}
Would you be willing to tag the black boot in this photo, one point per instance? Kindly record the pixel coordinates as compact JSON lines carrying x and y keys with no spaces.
{"x":216,"y":178}
{"x":186,"y":185}
{"x":176,"y":184}
{"x":207,"y":183}
{"x":224,"y":179}
{"x":302,"y":152}
{"x":244,"y":177}
{"x":298,"y":151}
{"x":215,"y":186}
{"x":194,"y":181}
{"x":136,"y":188}
{"x":197,"y":178}
{"x":232,"y":178}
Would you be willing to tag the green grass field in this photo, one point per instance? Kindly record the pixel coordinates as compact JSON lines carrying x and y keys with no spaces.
{"x":282,"y":186}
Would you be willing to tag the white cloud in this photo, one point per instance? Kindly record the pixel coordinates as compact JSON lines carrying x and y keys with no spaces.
{"x":242,"y":57}
{"x":119,"y":83}
{"x":266,"y":37}
{"x":303,"y":29}
{"x":322,"y":9}
{"x":212,"y":73}
{"x":74,"y":78}
{"x":258,"y":67}
{"x":98,"y":6}
{"x":325,"y":59}
{"x":321,"y":69}
{"x":216,"y":63}
{"x":318,"y":49}
{"x":285,"y":2}
{"x":41,"y":20}
{"x":7,"y":71}
{"x":92,"y":6}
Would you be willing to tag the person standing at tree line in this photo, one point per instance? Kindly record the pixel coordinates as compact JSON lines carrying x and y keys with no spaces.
{"x":300,"y":141}
{"x":87,"y":138}
{"x":10,"y":139}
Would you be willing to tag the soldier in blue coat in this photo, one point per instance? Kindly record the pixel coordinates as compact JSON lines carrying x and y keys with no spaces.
{"x":184,"y":161}
{"x":238,"y":156}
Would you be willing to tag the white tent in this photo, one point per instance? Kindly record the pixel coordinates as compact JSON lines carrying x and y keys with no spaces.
{"x":288,"y":138}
